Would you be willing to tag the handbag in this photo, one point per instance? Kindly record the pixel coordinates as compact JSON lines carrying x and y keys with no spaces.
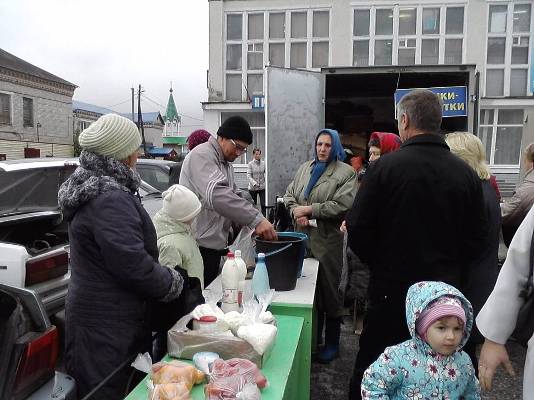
{"x":164,"y":315}
{"x":524,"y":327}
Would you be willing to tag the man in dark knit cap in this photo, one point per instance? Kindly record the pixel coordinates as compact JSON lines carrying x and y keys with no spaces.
{"x":208,"y":173}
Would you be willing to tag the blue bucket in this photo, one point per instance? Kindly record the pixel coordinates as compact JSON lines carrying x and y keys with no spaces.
{"x":302,"y":252}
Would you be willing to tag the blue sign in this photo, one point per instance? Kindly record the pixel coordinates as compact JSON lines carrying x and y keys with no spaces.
{"x":258,"y":101}
{"x":454,"y":99}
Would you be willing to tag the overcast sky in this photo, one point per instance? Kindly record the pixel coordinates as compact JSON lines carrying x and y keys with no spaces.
{"x":105,"y":47}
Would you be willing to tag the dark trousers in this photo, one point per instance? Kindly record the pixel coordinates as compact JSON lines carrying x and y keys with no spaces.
{"x":211,"y":259}
{"x":384,"y":325}
{"x":261,"y":193}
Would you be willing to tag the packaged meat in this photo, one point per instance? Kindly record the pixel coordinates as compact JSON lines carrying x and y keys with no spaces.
{"x":229,"y":379}
{"x":170,"y":391}
{"x":176,"y":372}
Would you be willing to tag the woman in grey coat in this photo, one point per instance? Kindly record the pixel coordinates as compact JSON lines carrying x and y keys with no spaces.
{"x":323,"y":190}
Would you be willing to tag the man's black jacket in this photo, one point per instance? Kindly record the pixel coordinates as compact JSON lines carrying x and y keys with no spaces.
{"x":418,"y":215}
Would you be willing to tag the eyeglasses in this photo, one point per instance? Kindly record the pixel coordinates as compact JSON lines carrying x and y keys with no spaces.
{"x":240,"y":149}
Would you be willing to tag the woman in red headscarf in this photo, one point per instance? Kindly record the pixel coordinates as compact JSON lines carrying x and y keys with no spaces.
{"x":382,"y":143}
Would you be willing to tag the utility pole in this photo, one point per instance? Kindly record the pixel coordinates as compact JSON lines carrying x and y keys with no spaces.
{"x":133,"y":101}
{"x":140,"y":120}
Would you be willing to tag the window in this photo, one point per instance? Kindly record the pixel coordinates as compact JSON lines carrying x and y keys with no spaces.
{"x":27,"y":112}
{"x":384,"y":22}
{"x":277,"y":25}
{"x":255,"y":84}
{"x":321,"y":24}
{"x":298,"y":55}
{"x":255,"y":56}
{"x":277,"y":55}
{"x":507,"y":52}
{"x":384,"y":37}
{"x":430,"y":51}
{"x":5,"y":109}
{"x":255,"y":26}
{"x":361,"y":22}
{"x":299,"y":25}
{"x":431,"y":21}
{"x":234,"y":27}
{"x":360,"y":51}
{"x":501,"y":131}
{"x":408,"y":35}
{"x":454,"y":20}
{"x":293,"y":38}
{"x":320,"y":45}
{"x":277,"y":36}
{"x":453,"y":51}
{"x":233,"y":87}
{"x":233,"y":56}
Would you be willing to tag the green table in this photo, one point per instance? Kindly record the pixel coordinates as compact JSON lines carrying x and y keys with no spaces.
{"x":298,"y":303}
{"x":282,"y":369}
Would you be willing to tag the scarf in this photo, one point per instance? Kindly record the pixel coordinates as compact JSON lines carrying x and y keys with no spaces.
{"x":95,"y":175}
{"x":336,"y":154}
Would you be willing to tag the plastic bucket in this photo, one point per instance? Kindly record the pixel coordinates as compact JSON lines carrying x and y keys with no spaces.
{"x":282,"y":258}
{"x":302,"y":245}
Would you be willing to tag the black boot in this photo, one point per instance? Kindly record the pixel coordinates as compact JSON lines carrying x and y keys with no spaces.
{"x":331,"y":348}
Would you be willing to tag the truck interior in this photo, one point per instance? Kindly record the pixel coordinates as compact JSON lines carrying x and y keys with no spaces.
{"x":357,"y":104}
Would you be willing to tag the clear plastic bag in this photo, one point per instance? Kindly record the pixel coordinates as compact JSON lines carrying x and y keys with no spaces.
{"x":169,"y":380}
{"x":235,"y":379}
{"x":246,"y":244}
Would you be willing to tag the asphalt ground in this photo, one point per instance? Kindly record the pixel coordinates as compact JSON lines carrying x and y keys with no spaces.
{"x":331,"y":381}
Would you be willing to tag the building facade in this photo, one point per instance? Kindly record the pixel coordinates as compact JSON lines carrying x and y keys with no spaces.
{"x":495,"y":36}
{"x":35,"y":110}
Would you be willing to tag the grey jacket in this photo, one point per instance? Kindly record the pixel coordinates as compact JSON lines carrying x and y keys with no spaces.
{"x":514,"y":210}
{"x":256,"y":175}
{"x":211,"y":178}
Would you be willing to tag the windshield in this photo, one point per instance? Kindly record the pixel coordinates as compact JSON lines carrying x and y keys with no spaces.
{"x":30,"y":190}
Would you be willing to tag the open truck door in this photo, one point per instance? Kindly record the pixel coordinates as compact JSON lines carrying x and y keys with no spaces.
{"x":294,"y":114}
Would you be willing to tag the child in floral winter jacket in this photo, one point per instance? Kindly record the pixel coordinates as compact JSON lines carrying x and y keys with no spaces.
{"x":431,"y":365}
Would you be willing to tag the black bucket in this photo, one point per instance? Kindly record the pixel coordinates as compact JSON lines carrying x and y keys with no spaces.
{"x":282,"y":258}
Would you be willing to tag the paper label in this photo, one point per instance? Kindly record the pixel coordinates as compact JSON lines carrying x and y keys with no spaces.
{"x":229,"y":296}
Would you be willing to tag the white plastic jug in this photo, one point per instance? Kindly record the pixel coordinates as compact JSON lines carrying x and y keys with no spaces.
{"x":230,"y":277}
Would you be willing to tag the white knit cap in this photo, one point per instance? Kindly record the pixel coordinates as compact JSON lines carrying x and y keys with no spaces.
{"x":111,"y":135}
{"x":180,"y":203}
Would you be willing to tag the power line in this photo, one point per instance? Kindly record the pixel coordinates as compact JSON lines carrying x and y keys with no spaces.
{"x":118,"y":104}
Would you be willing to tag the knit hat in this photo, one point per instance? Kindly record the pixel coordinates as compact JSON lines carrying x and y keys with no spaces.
{"x":180,"y":203}
{"x":236,"y":127}
{"x":444,"y":306}
{"x":111,"y":135}
{"x":197,"y":137}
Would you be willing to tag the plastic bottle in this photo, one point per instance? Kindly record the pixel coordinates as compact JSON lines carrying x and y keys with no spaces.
{"x":260,"y":279}
{"x":243,"y":275}
{"x":230,"y":276}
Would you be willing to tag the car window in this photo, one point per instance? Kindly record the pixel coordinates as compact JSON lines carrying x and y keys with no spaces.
{"x":30,"y":190}
{"x":154,"y":176}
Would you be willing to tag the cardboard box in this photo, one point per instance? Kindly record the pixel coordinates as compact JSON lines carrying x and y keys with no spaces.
{"x":186,"y":344}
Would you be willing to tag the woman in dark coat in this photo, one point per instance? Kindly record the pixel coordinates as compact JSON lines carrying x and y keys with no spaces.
{"x":484,"y":272}
{"x":113,"y":257}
